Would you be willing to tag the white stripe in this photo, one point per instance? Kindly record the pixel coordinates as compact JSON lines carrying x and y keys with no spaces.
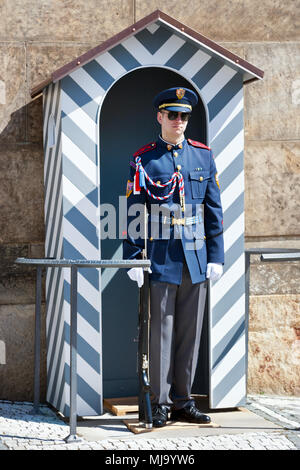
{"x":84,"y":329}
{"x":61,"y":406}
{"x":228,"y":362}
{"x":161,"y":56}
{"x":139,"y":52}
{"x":56,"y":358}
{"x":78,"y":116}
{"x":79,"y":159}
{"x":49,"y":165}
{"x":54,"y":218}
{"x":232,"y":192}
{"x":167,"y":50}
{"x":86,"y":289}
{"x":217,"y":82}
{"x":230,"y":152}
{"x":88,"y":84}
{"x":225,"y":116}
{"x":233,"y":232}
{"x":229,"y":278}
{"x":83,"y":409}
{"x":152,"y":28}
{"x":46,"y":106}
{"x":77,"y":199}
{"x":235,"y":395}
{"x":49,"y":152}
{"x":56,"y":316}
{"x":224,"y":325}
{"x":111,"y":65}
{"x":108,"y":273}
{"x":195,"y":63}
{"x":80,"y":242}
{"x":61,"y":379}
{"x":57,"y":277}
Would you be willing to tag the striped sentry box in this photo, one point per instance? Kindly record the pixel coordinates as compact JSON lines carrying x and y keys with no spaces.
{"x":72,"y":214}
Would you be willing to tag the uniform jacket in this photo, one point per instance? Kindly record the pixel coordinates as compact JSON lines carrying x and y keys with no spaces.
{"x":167,"y":244}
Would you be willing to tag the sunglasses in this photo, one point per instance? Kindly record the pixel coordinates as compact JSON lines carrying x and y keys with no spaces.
{"x":172,"y":115}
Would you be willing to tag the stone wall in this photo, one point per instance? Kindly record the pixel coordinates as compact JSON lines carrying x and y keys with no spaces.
{"x":37,"y":37}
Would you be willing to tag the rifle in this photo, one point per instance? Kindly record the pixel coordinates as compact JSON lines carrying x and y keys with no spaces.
{"x":145,"y":412}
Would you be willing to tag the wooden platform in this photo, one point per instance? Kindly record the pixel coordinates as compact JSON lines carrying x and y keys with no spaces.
{"x":121,"y":406}
{"x":136,"y":427}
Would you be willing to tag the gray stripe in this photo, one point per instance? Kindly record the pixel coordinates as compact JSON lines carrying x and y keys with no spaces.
{"x":79,"y":138}
{"x":228,"y":382}
{"x":233,"y":211}
{"x":53,"y":150}
{"x":58,"y":343}
{"x":84,"y":390}
{"x":207,"y":72}
{"x":85,"y":309}
{"x":225,"y":95}
{"x":50,"y":95}
{"x":57,"y":254}
{"x":228,"y":134}
{"x":228,"y":341}
{"x":153,"y":42}
{"x":50,"y":187}
{"x":124,"y":57}
{"x":234,"y":252}
{"x":53,"y":153}
{"x":54,"y":229}
{"x":61,"y":390}
{"x":184,"y":53}
{"x":99,"y":74}
{"x":232,"y":171}
{"x":228,"y":299}
{"x":84,"y":350}
{"x":79,"y":96}
{"x":76,"y":176}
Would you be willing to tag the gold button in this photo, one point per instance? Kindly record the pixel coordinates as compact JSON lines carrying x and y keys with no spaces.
{"x":157,"y":182}
{"x":151,"y":239}
{"x":175,"y":154}
{"x":169,"y":147}
{"x":201,"y":178}
{"x":180,"y":146}
{"x":178,"y":167}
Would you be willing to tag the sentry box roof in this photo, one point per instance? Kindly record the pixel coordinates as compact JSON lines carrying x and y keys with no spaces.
{"x":141,"y":31}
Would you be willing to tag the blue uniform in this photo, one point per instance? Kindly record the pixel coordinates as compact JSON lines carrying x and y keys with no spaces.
{"x":173,"y":174}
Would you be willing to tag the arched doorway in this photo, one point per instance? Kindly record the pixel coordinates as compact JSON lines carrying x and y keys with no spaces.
{"x":127,"y":122}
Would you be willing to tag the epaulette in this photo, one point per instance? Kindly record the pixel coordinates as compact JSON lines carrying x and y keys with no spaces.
{"x":144,"y":149}
{"x":194,"y":143}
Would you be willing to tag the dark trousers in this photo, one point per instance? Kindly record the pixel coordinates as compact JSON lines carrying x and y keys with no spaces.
{"x":175,"y":330}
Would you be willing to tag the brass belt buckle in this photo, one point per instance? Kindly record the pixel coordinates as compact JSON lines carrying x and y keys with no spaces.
{"x":178,"y":221}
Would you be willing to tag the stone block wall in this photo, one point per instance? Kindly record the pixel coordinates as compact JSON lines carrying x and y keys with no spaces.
{"x":37,"y":37}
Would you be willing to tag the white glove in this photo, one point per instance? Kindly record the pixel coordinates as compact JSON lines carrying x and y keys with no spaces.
{"x":214,"y":271}
{"x":137,"y":274}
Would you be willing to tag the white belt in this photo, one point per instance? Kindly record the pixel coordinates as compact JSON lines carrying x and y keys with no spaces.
{"x":173,"y":221}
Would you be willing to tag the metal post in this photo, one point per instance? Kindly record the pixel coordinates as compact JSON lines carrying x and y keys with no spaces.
{"x":72,"y":437}
{"x":247,"y":299}
{"x":37,"y":339}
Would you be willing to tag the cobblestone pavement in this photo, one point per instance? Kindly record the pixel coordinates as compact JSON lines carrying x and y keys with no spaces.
{"x":21,"y":429}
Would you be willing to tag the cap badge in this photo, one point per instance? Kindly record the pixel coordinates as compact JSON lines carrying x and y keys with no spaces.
{"x":180,"y":92}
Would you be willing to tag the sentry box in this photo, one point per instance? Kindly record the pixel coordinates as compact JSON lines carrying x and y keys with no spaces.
{"x":97,"y":111}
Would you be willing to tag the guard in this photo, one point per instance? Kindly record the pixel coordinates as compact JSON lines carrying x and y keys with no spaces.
{"x":176,"y":180}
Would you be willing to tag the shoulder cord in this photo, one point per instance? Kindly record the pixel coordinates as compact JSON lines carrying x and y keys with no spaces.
{"x":141,"y":174}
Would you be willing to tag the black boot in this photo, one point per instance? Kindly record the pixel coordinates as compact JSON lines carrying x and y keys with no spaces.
{"x":190,"y":414}
{"x":159,"y":415}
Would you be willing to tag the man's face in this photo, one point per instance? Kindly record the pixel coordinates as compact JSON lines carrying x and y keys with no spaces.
{"x":171,"y":128}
